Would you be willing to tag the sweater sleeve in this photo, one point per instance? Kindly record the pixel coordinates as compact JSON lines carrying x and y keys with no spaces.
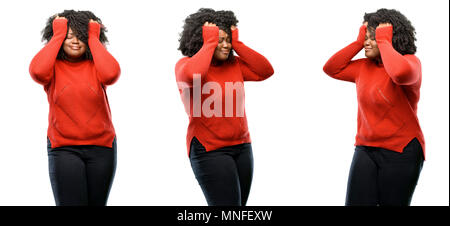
{"x":254,"y":66}
{"x":340,"y":65}
{"x":403,"y":69}
{"x":42,"y":66}
{"x":200,"y":62}
{"x":108,"y":69}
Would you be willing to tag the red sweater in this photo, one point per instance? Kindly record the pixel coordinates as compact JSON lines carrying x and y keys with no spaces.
{"x":217,"y":132}
{"x":387,"y":93}
{"x":79,"y":110}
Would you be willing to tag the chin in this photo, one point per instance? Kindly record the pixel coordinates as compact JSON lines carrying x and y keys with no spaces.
{"x":222,"y":59}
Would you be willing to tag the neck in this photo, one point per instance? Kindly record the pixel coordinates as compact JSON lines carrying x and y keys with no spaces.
{"x":378,"y":60}
{"x":216,"y":62}
{"x":73,"y":60}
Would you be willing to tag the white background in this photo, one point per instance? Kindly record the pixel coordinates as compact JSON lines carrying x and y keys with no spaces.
{"x":302,"y":122}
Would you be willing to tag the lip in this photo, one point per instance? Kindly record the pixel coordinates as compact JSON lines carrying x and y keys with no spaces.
{"x":75,"y":47}
{"x":225,"y":51}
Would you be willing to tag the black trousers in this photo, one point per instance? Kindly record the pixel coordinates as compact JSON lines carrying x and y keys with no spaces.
{"x":383,"y":177}
{"x":81,"y":175}
{"x":225,"y":175}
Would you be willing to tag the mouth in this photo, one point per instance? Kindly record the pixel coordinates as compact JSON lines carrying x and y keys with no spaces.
{"x":75,"y":47}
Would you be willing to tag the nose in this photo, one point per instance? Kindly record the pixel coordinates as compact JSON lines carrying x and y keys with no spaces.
{"x":225,"y":44}
{"x":367,"y":42}
{"x":75,"y":39}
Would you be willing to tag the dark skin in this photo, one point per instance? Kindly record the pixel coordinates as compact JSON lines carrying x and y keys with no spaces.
{"x":72,"y":46}
{"x":370,"y":44}
{"x":224,"y":46}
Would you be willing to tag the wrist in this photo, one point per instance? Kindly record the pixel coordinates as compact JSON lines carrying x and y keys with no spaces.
{"x":210,"y":33}
{"x":362,"y":34}
{"x":384,"y":34}
{"x":94,"y":30}
{"x":59,"y":27}
{"x":234,"y":36}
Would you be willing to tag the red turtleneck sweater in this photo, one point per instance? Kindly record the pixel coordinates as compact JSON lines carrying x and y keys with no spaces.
{"x":79,"y":111}
{"x":217,"y":132}
{"x":387,"y":93}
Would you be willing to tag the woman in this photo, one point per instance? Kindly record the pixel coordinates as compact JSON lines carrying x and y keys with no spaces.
{"x":74,"y":67}
{"x":390,"y":146}
{"x":218,"y":141}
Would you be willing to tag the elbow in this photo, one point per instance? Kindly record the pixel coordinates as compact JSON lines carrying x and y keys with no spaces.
{"x":261,"y":76}
{"x":327,"y":69}
{"x":111,"y":77}
{"x":189,"y":76}
{"x":403,"y":80}
{"x":39,"y":76}
{"x":330,"y":71}
{"x":405,"y":77}
{"x":109,"y":80}
{"x":268,"y":73}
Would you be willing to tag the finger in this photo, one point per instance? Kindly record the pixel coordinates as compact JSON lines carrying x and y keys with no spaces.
{"x":384,"y":25}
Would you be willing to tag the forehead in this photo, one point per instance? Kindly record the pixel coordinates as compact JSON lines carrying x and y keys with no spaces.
{"x":370,"y":32}
{"x":222,"y":33}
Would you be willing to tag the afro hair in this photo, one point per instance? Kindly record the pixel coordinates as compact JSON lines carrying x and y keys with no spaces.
{"x":191,"y":39}
{"x":403,"y":33}
{"x":78,"y":21}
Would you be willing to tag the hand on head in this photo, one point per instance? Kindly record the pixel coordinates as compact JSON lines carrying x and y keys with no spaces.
{"x":384,"y":25}
{"x":59,"y":17}
{"x":209,"y":24}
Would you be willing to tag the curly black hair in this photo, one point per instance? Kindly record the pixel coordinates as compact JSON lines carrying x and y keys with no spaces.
{"x":191,"y":39}
{"x":78,"y":21}
{"x":403,"y":33}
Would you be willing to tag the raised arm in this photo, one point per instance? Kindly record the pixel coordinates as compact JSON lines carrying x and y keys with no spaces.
{"x":340,"y":65}
{"x":254,"y":66}
{"x":108,"y":69}
{"x":403,"y":69}
{"x":42,"y":65}
{"x":200,"y":62}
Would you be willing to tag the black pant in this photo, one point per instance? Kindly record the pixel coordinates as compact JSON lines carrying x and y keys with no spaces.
{"x":383,"y":177}
{"x":81,"y":175}
{"x":225,"y":175}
